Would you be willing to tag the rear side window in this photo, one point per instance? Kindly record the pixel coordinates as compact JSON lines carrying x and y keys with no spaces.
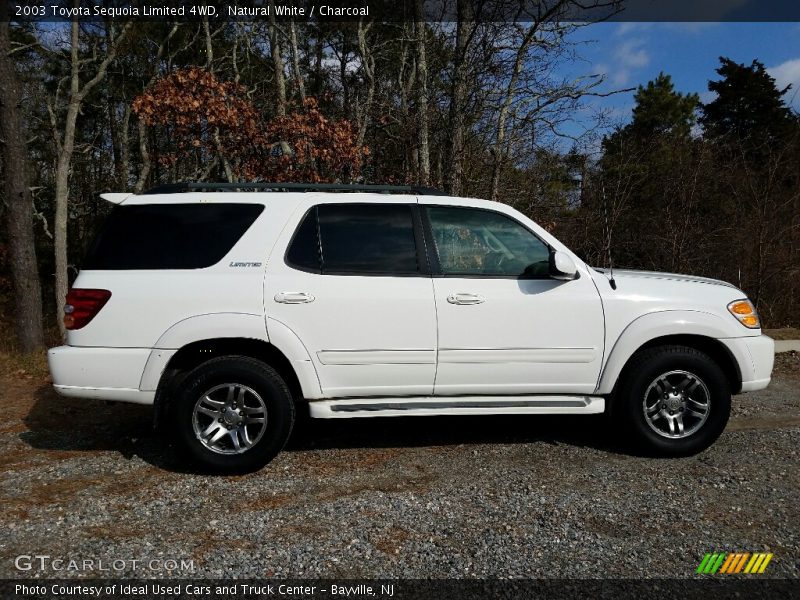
{"x":371,"y":239}
{"x":169,"y":236}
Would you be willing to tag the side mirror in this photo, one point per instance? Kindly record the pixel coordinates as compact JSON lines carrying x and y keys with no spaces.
{"x":562,"y":266}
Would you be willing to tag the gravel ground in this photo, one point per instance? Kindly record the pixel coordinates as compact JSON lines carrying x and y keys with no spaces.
{"x":436,"y":497}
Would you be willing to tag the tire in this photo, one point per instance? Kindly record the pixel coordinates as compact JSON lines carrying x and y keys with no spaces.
{"x":224,"y":399}
{"x":671,"y":384}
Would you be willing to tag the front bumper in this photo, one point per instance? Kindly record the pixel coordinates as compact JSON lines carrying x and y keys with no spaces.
{"x":104,"y":373}
{"x":755,"y":356}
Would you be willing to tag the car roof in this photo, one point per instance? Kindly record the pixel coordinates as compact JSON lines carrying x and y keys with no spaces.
{"x":295,"y":198}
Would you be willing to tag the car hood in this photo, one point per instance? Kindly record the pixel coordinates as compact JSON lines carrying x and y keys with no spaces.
{"x":629,"y":273}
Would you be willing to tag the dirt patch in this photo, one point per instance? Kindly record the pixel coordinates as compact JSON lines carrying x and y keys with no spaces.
{"x":269,"y":502}
{"x":772,"y":422}
{"x":787,"y":364}
{"x":113,"y":532}
{"x":392,"y":540}
{"x":784,"y":333}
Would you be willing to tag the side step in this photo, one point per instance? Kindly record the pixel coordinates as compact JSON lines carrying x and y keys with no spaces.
{"x":348,"y":408}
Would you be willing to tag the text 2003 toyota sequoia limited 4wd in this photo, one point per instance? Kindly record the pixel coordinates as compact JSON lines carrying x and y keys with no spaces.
{"x":225,"y":308}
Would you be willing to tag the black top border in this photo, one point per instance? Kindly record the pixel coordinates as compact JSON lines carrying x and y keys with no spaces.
{"x":583,"y":11}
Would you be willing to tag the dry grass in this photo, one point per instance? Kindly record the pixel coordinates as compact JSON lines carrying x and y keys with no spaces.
{"x":29,"y":367}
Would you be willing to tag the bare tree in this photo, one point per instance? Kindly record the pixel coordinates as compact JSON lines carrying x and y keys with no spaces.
{"x":277,"y":61}
{"x":424,"y":160}
{"x":368,"y":66}
{"x":465,"y":30}
{"x":64,"y":137}
{"x":144,"y":152}
{"x":19,"y":215}
{"x":298,"y":74}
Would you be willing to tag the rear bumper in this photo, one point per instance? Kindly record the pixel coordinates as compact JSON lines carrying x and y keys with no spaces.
{"x":104,"y":373}
{"x":755,"y":356}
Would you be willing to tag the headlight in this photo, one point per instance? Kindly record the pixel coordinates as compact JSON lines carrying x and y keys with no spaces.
{"x":745,"y":312}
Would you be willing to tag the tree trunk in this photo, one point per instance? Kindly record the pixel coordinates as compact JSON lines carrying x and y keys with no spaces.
{"x":19,"y":216}
{"x":343,"y":71}
{"x":125,"y":153}
{"x":465,"y":28}
{"x":277,"y":62}
{"x":298,"y":74}
{"x":368,"y":65}
{"x":116,"y":146}
{"x":318,"y":56}
{"x":424,"y":156}
{"x":65,"y":141}
{"x":499,"y":152}
{"x":144,"y":172}
{"x":67,"y":146}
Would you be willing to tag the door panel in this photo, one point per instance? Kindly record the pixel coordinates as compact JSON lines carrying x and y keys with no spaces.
{"x":367,"y":335}
{"x":528,"y":336}
{"x":504,"y":326}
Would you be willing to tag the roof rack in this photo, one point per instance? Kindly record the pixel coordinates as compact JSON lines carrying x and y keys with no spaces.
{"x":199,"y":186}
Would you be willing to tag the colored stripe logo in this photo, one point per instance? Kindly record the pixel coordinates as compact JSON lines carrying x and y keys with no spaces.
{"x":729,"y":563}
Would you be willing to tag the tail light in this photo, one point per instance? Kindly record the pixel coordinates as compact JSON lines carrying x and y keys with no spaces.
{"x":83,"y":305}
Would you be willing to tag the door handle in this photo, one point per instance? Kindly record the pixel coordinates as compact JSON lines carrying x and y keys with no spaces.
{"x":294,"y":298}
{"x":462,"y":298}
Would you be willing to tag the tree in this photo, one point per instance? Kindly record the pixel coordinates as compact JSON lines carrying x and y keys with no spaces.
{"x":64,"y":137}
{"x":420,"y":29}
{"x":465,"y":30}
{"x":209,"y":119}
{"x":748,"y":103}
{"x":646,"y":190}
{"x":755,"y":138}
{"x":660,"y":110}
{"x":17,"y":194}
{"x":660,"y":113}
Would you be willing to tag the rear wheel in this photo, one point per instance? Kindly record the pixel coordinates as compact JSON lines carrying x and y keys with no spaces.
{"x":673,"y":400}
{"x":233,"y":414}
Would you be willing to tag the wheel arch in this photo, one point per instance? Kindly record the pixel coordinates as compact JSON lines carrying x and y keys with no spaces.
{"x":194,"y":354}
{"x":715,"y":349}
{"x":703,"y":331}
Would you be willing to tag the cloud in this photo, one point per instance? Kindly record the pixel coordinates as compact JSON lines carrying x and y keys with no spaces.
{"x":629,"y":56}
{"x":788,"y":73}
{"x":689,"y":27}
{"x":631,"y":27}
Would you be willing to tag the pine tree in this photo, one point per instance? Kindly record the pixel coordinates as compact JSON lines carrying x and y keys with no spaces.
{"x":748,"y":103}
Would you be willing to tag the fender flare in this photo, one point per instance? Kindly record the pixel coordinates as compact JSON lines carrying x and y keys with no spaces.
{"x":287,"y":341}
{"x":665,"y":323}
{"x":195,"y":329}
{"x":213,"y":325}
{"x":232,"y":325}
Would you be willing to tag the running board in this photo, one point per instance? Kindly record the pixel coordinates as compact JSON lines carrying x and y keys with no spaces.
{"x":348,"y":408}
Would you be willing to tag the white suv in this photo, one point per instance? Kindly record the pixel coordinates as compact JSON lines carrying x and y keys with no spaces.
{"x":225,"y":306}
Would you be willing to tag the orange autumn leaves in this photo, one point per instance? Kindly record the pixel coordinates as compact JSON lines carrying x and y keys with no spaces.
{"x":206,"y":118}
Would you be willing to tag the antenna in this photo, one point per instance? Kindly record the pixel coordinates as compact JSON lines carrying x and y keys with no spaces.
{"x":607,"y":231}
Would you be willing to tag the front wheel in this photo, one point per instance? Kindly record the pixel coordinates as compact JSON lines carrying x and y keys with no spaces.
{"x":233,"y":414}
{"x":673,"y":400}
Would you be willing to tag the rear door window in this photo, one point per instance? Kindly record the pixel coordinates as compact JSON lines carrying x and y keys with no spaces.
{"x":169,"y":236}
{"x":352,"y":239}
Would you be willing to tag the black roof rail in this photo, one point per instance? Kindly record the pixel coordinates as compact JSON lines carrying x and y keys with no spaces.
{"x":199,"y":186}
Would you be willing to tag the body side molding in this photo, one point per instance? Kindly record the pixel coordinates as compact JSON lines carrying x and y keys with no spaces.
{"x":465,"y":405}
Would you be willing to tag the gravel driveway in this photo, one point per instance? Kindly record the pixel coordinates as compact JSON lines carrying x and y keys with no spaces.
{"x":436,"y":497}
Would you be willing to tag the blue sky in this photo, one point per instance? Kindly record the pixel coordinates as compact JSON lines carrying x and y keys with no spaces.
{"x":631,"y":54}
